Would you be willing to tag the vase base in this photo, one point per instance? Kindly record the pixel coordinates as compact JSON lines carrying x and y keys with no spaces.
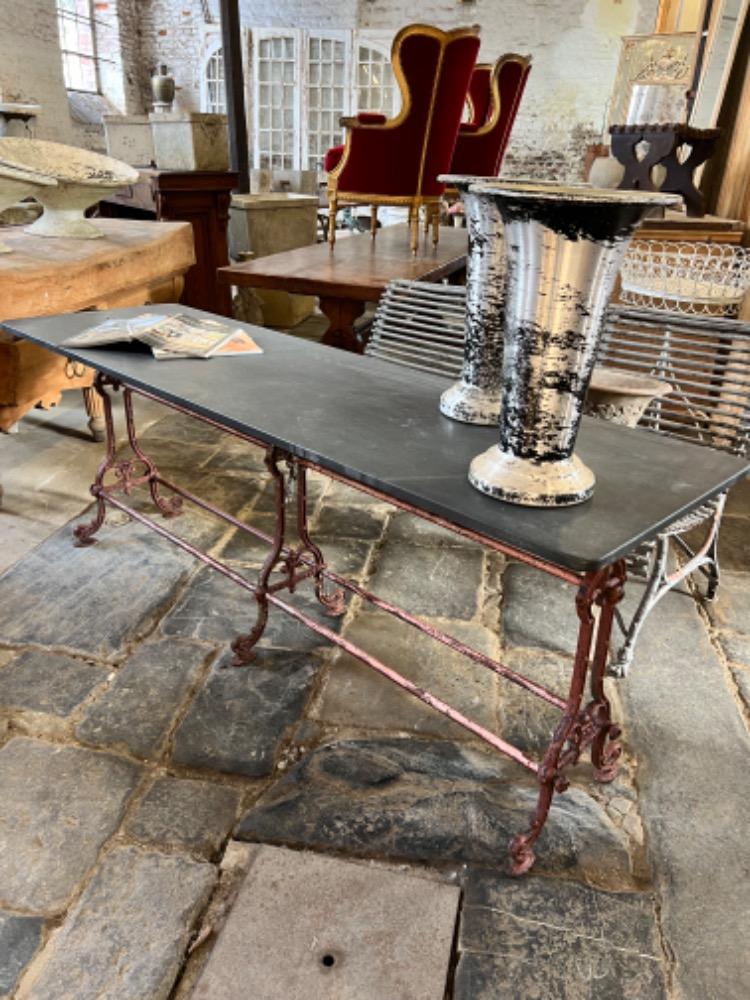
{"x":470,"y":405}
{"x":522,"y":481}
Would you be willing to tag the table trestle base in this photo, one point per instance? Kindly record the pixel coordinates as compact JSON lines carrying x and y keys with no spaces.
{"x":286,"y":565}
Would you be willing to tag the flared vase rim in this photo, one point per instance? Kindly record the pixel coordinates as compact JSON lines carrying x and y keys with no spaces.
{"x":468,"y":181}
{"x":532,"y":191}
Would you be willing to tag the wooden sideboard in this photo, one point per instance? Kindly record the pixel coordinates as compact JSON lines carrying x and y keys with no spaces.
{"x":135,"y":263}
{"x":200,"y":197}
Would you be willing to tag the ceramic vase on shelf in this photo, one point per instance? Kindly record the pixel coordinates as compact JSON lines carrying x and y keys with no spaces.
{"x":475,"y":397}
{"x":564,"y":246}
{"x":162,"y":89}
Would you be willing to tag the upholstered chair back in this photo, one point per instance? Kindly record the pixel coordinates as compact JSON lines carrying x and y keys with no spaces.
{"x":403,"y":156}
{"x":495,"y":94}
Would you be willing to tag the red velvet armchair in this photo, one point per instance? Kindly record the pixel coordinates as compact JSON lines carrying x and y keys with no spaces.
{"x":397,"y":161}
{"x":494,"y":96}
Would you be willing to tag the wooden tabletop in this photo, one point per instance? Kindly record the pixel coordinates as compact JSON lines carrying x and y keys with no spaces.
{"x":359,"y":267}
{"x":43,"y":275}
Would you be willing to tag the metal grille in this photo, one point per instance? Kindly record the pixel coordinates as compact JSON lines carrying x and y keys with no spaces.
{"x":420,"y":325}
{"x":706,"y":360}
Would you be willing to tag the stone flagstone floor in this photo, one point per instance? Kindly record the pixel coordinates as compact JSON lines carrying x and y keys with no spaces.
{"x":137,"y":770}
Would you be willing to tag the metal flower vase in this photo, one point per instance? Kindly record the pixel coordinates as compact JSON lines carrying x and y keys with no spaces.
{"x":564,"y":247}
{"x":475,"y":397}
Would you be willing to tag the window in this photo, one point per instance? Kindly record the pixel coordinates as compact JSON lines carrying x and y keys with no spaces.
{"x":325,"y":97}
{"x":303,"y":83}
{"x":216,"y":94}
{"x":276,"y":103}
{"x":376,"y":84}
{"x":76,"y":26}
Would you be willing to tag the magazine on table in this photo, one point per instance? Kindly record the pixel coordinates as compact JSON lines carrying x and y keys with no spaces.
{"x":169,"y":337}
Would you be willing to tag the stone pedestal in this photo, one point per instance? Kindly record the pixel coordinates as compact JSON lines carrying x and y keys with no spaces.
{"x":268,"y":223}
{"x":189,"y":140}
{"x":129,"y":138}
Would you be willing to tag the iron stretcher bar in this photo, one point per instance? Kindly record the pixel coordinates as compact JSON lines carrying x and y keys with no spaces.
{"x":403,"y":682}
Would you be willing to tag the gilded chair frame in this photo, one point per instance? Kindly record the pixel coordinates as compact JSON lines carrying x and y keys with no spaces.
{"x":509,"y":57}
{"x":495,"y":98}
{"x":415,"y":202}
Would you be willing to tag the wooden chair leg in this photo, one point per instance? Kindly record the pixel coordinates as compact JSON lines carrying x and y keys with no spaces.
{"x":332,"y":210}
{"x":95,"y":412}
{"x":373,"y":220}
{"x":414,"y":220}
{"x":436,"y":224}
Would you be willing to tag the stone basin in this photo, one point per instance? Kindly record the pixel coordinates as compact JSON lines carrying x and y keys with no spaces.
{"x":16,"y":184}
{"x":80,"y":179}
{"x":622,"y":396}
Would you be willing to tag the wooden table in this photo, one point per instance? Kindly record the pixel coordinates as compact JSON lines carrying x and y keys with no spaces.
{"x":356,"y":271}
{"x":135,"y":263}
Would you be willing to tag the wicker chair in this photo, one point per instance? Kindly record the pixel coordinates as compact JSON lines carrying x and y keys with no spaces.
{"x":706,"y":360}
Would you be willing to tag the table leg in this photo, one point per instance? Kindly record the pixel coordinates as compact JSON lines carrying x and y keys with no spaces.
{"x":579,"y":728}
{"x":341,"y":315}
{"x":243,"y":645}
{"x":129,"y":472}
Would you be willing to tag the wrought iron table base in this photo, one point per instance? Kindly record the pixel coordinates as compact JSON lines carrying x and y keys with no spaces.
{"x":581,"y":726}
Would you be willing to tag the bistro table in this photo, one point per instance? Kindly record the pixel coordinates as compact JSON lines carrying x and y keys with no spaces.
{"x":377,"y":428}
{"x":356,"y":271}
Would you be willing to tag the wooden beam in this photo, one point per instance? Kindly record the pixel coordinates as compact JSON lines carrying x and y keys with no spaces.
{"x":231,"y":34}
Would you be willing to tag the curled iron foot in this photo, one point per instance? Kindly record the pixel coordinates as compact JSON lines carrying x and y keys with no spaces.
{"x":607,"y":759}
{"x":82,"y":541}
{"x":169,"y":506}
{"x":84,"y":533}
{"x":334,"y":604}
{"x":243,"y":646}
{"x":522,"y":856}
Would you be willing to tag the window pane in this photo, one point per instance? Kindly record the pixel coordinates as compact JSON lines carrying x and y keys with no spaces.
{"x":76,"y":31}
{"x":376,"y":88}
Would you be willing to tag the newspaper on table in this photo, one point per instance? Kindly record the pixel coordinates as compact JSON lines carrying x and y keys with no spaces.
{"x":169,"y":337}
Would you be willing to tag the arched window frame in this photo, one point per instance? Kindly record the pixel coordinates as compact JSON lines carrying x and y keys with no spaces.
{"x":215,"y":59}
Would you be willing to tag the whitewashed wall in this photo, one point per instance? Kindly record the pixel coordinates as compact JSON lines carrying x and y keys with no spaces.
{"x":30,"y":64}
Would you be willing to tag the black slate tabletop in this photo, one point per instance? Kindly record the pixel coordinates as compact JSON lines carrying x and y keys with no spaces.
{"x":379,"y":425}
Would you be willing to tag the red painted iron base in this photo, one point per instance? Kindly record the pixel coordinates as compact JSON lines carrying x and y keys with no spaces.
{"x":581,"y":726}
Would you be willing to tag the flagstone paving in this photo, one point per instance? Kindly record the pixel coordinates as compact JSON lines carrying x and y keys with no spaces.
{"x":140,"y":771}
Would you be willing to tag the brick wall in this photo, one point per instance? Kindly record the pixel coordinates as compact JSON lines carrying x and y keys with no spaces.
{"x":575,"y":45}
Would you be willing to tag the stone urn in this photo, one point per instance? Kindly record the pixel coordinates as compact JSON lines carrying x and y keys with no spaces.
{"x":162,"y":89}
{"x":475,"y":397}
{"x":620,"y":396}
{"x":564,"y":246}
